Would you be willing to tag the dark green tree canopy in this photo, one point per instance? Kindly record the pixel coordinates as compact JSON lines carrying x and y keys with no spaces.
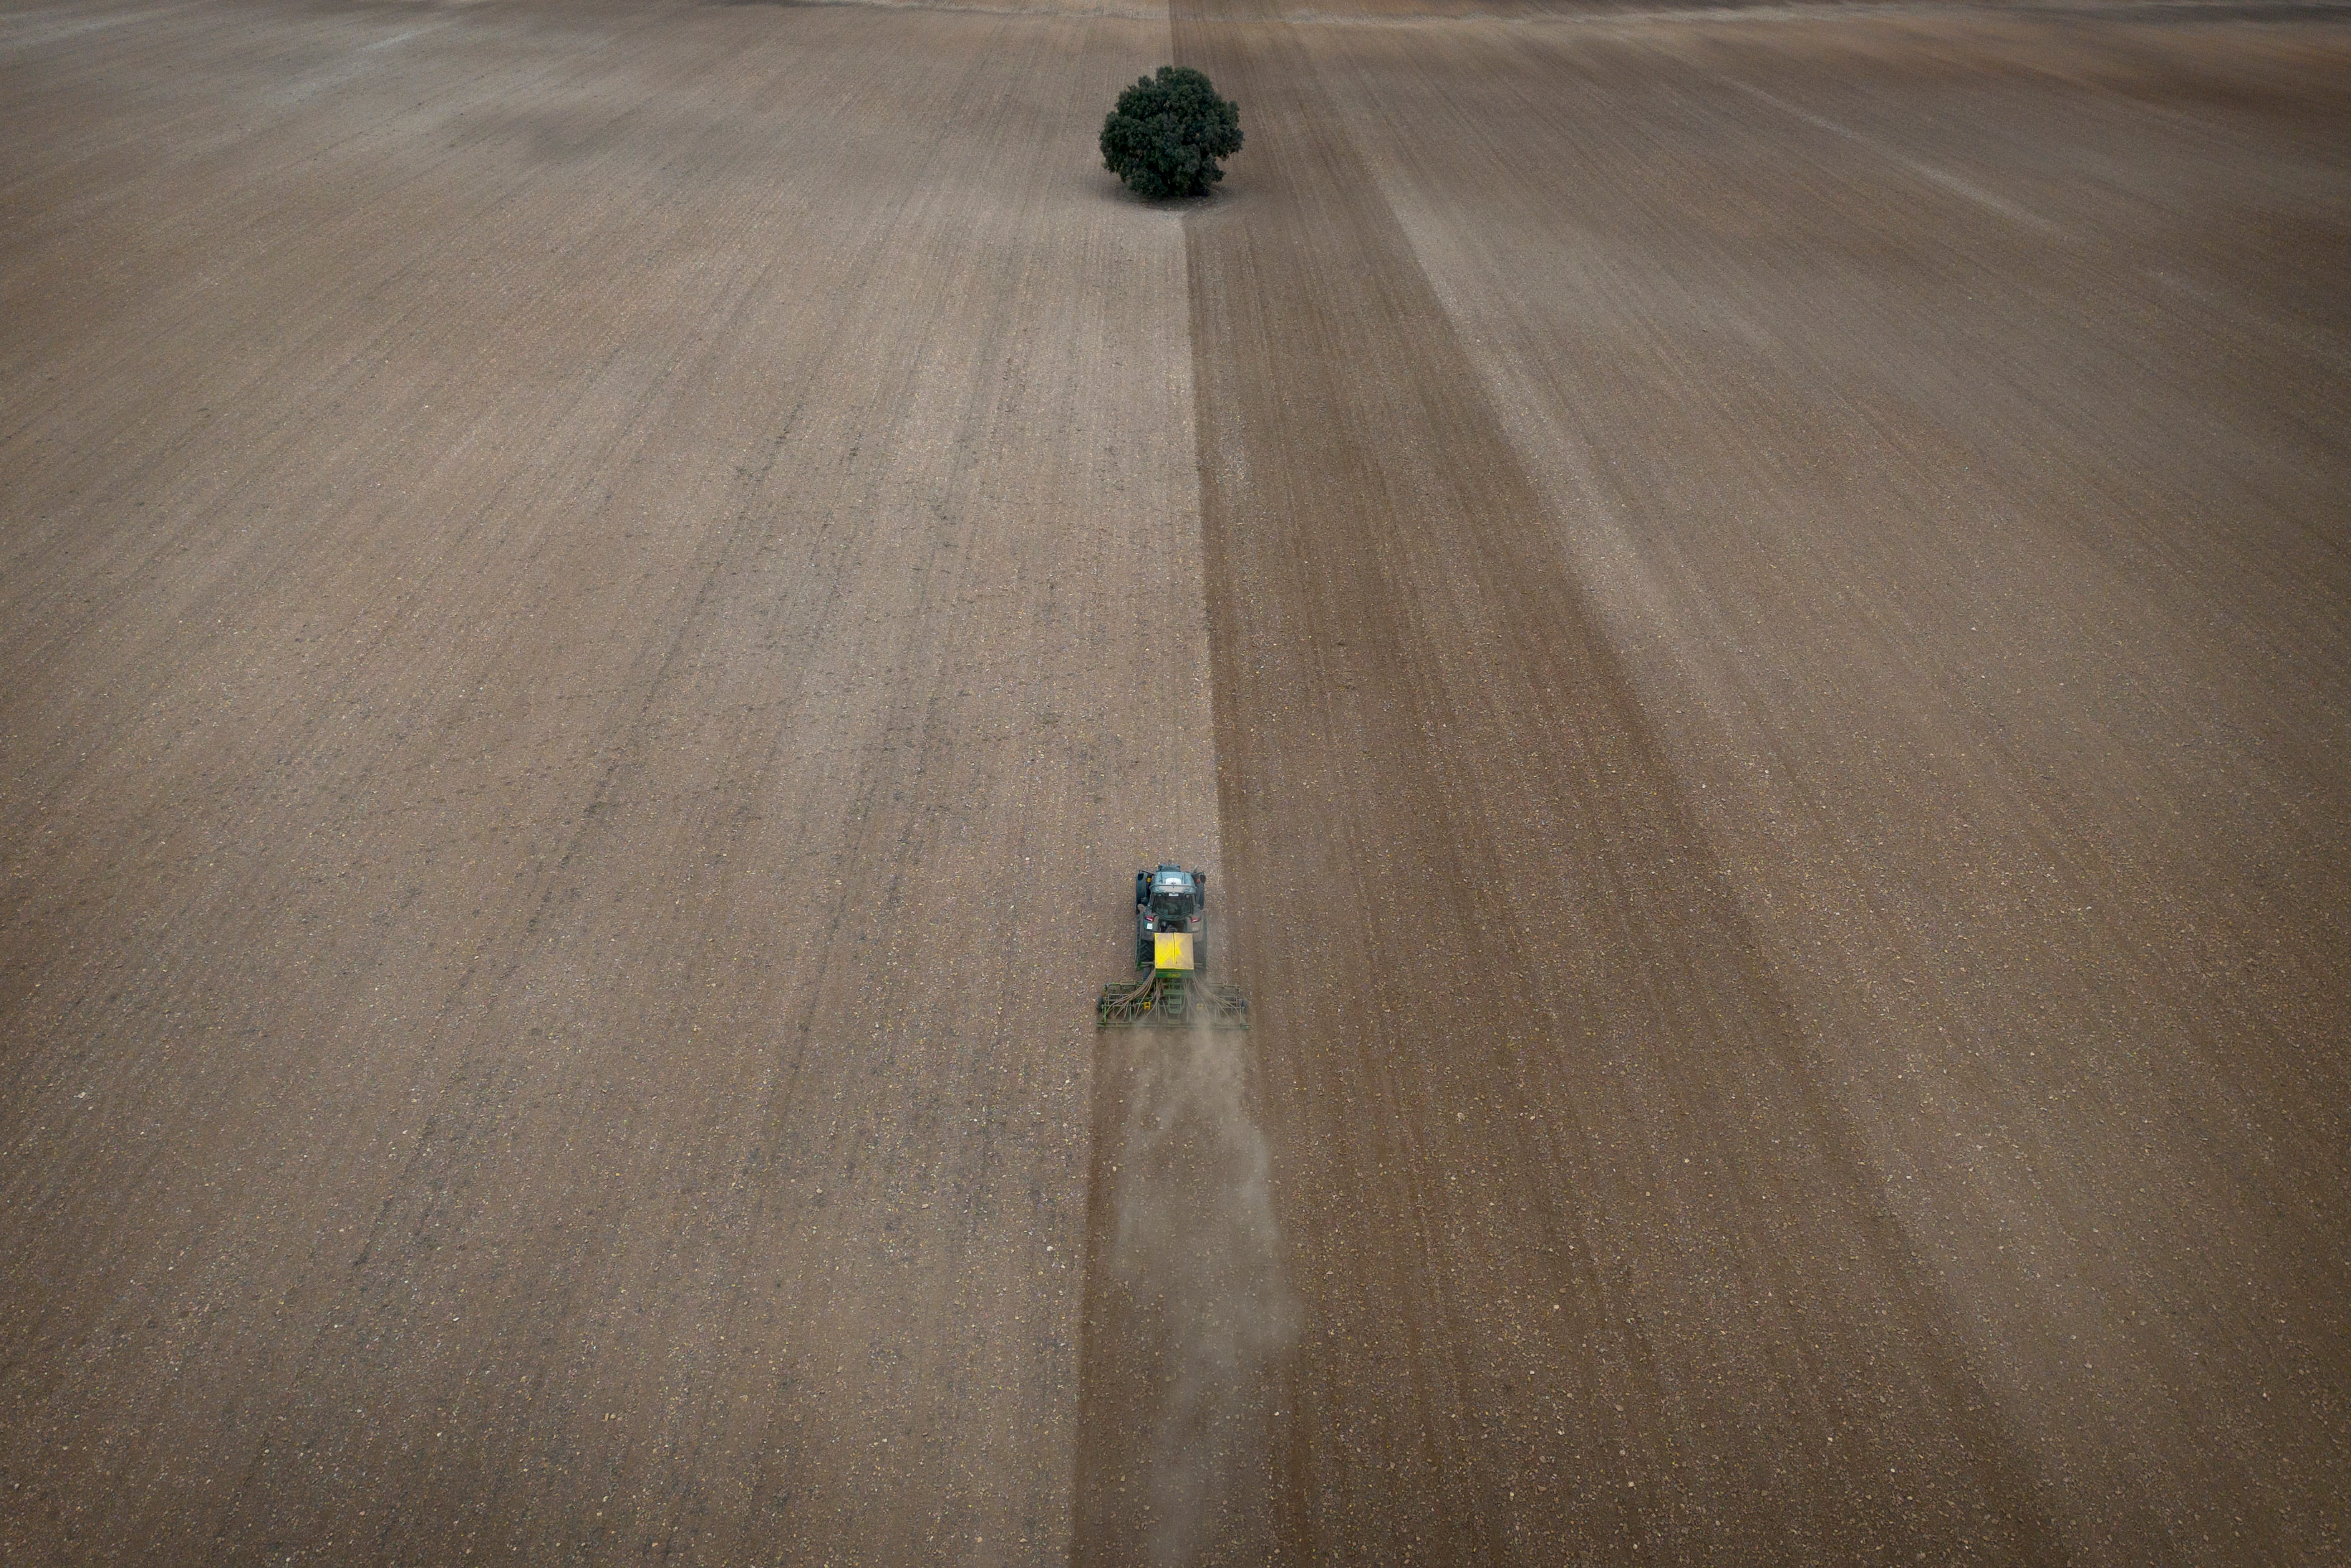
{"x":1165,"y":135}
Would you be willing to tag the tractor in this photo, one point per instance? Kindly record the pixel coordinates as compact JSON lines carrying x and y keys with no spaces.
{"x":1170,"y":947}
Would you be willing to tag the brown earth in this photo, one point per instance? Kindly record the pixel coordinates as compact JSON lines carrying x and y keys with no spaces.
{"x":571,"y":669}
{"x":600,"y":600}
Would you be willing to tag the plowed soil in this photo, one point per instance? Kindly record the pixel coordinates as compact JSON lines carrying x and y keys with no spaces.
{"x":1749,"y":610}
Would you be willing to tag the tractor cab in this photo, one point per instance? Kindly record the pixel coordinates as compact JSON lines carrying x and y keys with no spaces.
{"x":1171,"y":902}
{"x":1173,"y":895}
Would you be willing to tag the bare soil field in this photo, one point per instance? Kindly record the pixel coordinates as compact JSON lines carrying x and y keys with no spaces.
{"x":1750,"y":610}
{"x":588,"y":595}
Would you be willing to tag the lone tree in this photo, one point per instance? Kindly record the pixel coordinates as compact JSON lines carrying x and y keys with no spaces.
{"x":1165,"y":135}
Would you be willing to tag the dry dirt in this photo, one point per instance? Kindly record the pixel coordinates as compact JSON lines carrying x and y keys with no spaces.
{"x":1752,"y":612}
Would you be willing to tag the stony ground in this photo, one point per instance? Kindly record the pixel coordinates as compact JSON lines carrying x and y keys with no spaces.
{"x":1750,"y":612}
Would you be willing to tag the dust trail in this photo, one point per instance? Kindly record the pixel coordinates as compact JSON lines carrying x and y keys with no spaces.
{"x":1197,"y":1250}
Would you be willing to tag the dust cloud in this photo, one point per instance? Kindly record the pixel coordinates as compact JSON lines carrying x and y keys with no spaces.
{"x":1197,"y":1248}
